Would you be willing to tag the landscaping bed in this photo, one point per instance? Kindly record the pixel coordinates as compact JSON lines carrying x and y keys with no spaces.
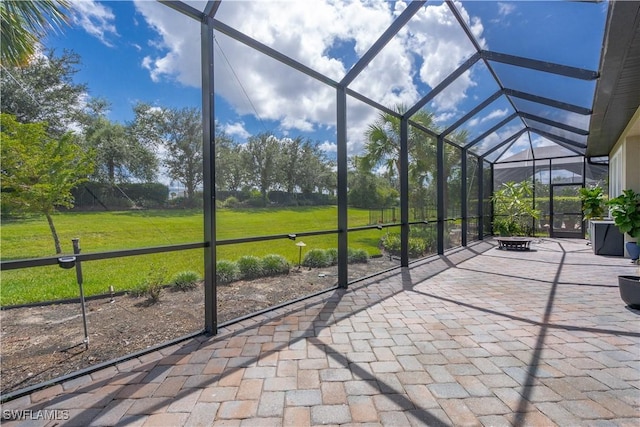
{"x":43,"y":342}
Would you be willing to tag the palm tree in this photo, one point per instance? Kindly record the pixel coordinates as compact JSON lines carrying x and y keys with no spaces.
{"x":24,"y":23}
{"x":383,"y":143}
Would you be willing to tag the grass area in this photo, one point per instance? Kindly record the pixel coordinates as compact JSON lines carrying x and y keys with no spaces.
{"x":105,"y":231}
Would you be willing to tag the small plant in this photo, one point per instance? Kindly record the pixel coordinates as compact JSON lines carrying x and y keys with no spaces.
{"x":226,"y":272}
{"x":316,"y":258}
{"x":231,"y":202}
{"x":274,"y":265}
{"x":185,"y":280}
{"x":593,"y":202}
{"x":357,"y":256}
{"x":333,"y":255}
{"x":625,"y":210}
{"x":250,"y":267}
{"x":152,"y":286}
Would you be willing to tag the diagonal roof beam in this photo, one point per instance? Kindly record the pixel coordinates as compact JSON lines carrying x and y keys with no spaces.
{"x":492,"y":130}
{"x":548,"y":101}
{"x":569,"y":145}
{"x":185,"y":9}
{"x":253,"y":43}
{"x":534,"y":64}
{"x":382,"y":41}
{"x":212,"y":8}
{"x":472,"y":113}
{"x":511,"y":139}
{"x":446,"y":82}
{"x":555,"y":124}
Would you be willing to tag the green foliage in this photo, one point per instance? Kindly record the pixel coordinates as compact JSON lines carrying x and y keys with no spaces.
{"x":357,"y":256}
{"x":593,"y":202}
{"x":275,"y":265}
{"x":226,"y":272}
{"x":101,"y":195}
{"x":151,"y":288}
{"x":317,"y":258}
{"x":39,"y":172}
{"x":43,"y":90}
{"x":250,"y":267}
{"x":625,"y":210}
{"x":185,"y":280}
{"x":418,"y":246}
{"x":332,"y":253}
{"x":514,"y":209}
{"x":231,"y":202}
{"x":23,"y":23}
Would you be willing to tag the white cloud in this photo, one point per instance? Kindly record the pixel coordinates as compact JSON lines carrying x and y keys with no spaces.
{"x":427,"y":50}
{"x":495,"y":114}
{"x":236,"y":129}
{"x":328,"y":147}
{"x":505,"y":9}
{"x":95,"y":18}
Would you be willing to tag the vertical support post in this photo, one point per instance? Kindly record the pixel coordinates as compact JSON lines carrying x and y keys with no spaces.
{"x":404,"y":191}
{"x":533,"y":182}
{"x":343,"y":225}
{"x":208,"y":154}
{"x":440,"y":192}
{"x":463,"y":194}
{"x":493,"y":210}
{"x":76,"y":251}
{"x":480,"y":172}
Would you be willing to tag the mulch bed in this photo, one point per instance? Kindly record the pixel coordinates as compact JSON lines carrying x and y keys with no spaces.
{"x":40,"y":343}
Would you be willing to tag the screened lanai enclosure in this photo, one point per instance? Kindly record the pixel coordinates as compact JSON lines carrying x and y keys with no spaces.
{"x":398,"y":122}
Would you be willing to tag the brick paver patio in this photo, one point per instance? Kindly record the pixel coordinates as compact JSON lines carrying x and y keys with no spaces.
{"x":480,"y":336}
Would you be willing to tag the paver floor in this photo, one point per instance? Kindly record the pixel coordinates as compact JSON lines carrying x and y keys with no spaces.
{"x":480,"y":336}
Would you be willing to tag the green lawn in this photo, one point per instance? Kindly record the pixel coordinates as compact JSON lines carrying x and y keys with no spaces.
{"x":105,"y":231}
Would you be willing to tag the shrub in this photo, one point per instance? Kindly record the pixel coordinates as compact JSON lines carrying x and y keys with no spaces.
{"x":316,"y":258}
{"x":274,"y":265}
{"x":231,"y":202}
{"x":250,"y":267}
{"x":417,"y":245}
{"x":185,"y":280}
{"x":333,"y":255}
{"x":226,"y":271}
{"x":357,"y":256}
{"x":151,"y":288}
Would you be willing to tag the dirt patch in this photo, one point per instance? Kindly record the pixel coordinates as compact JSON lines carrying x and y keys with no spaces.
{"x":44,"y":342}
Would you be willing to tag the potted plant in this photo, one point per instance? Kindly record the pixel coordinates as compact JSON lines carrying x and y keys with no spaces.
{"x":625,"y":210}
{"x":593,"y":202}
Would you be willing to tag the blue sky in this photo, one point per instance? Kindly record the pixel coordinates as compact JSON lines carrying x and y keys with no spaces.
{"x":144,"y":51}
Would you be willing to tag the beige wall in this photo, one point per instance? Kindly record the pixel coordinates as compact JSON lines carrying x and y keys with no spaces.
{"x":624,"y":161}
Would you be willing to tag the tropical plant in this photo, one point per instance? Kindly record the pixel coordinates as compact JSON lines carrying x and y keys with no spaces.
{"x":625,"y":210}
{"x":513,"y":208}
{"x":593,"y":202}
{"x":24,"y":23}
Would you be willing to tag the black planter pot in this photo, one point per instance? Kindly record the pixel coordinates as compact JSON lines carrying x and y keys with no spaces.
{"x":630,"y":290}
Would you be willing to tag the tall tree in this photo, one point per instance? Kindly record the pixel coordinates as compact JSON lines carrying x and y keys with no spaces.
{"x":261,"y":155}
{"x":383,"y":143}
{"x":24,"y":23}
{"x":183,"y":142}
{"x":120,"y":155}
{"x":38,"y":171}
{"x":230,"y":169}
{"x":44,"y":91}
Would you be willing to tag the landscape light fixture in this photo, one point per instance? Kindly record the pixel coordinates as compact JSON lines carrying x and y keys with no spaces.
{"x":301,"y":245}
